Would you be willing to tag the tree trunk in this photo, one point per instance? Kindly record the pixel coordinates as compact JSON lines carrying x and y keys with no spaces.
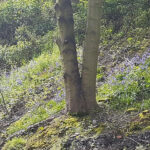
{"x":90,"y":53}
{"x":74,"y":100}
{"x":80,"y":94}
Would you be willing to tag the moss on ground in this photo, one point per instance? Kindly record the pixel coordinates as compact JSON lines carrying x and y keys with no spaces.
{"x":61,"y":130}
{"x":140,"y":123}
{"x":15,"y":144}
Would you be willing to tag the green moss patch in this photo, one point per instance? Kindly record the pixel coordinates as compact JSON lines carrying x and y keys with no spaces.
{"x":141,"y":122}
{"x":15,"y":144}
{"x":40,"y":114}
{"x":61,"y":130}
{"x":131,"y":110}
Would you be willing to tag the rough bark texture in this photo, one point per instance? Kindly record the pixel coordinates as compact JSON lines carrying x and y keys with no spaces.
{"x":80,"y":94}
{"x":90,"y":53}
{"x":66,"y":42}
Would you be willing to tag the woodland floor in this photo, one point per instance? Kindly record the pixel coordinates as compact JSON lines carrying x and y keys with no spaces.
{"x":103,"y":130}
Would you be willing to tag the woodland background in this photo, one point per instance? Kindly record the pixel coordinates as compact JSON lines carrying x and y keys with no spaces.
{"x":31,"y":78}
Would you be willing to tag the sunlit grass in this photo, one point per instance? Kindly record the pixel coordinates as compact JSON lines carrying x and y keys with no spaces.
{"x":25,"y":79}
{"x":38,"y":114}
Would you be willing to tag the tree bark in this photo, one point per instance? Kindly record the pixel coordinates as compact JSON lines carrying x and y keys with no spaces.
{"x":75,"y":102}
{"x":80,"y":94}
{"x":90,"y":53}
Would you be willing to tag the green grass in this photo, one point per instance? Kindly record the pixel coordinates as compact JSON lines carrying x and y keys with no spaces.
{"x":30,"y":76}
{"x":125,"y":90}
{"x":36,"y":115}
{"x":15,"y":144}
{"x":43,"y":73}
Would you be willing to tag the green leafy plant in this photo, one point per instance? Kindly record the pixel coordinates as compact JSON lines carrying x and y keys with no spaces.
{"x":15,"y":144}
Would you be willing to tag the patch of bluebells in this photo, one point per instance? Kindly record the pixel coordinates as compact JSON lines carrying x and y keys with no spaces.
{"x":23,"y":71}
{"x":128,"y":82}
{"x":17,"y":76}
{"x":13,"y":79}
{"x":19,"y":81}
{"x":128,"y":66}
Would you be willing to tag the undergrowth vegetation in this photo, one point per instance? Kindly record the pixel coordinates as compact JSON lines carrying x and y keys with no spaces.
{"x":33,"y":82}
{"x":128,"y":85}
{"x":36,"y":115}
{"x":16,"y":143}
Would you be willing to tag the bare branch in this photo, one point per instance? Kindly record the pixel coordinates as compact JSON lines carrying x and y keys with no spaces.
{"x":4,"y":103}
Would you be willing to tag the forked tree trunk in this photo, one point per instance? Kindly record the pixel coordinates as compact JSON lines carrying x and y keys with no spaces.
{"x":80,"y":95}
{"x":90,"y":53}
{"x":74,"y":99}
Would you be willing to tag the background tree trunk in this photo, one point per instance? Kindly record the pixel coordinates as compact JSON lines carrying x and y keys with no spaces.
{"x":90,"y":53}
{"x":66,"y":42}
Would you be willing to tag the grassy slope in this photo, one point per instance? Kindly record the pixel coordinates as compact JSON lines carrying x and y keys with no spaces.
{"x":40,"y":85}
{"x":35,"y":84}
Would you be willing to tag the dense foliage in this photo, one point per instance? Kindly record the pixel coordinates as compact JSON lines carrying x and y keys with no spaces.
{"x":29,"y":22}
{"x":126,"y":14}
{"x":24,"y":30}
{"x":37,"y":16}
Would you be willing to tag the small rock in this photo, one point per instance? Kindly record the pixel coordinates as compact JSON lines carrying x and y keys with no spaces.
{"x":95,"y":149}
{"x":76,"y":134}
{"x":94,"y":122}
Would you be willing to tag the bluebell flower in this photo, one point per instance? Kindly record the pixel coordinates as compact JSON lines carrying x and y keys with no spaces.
{"x":19,"y":81}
